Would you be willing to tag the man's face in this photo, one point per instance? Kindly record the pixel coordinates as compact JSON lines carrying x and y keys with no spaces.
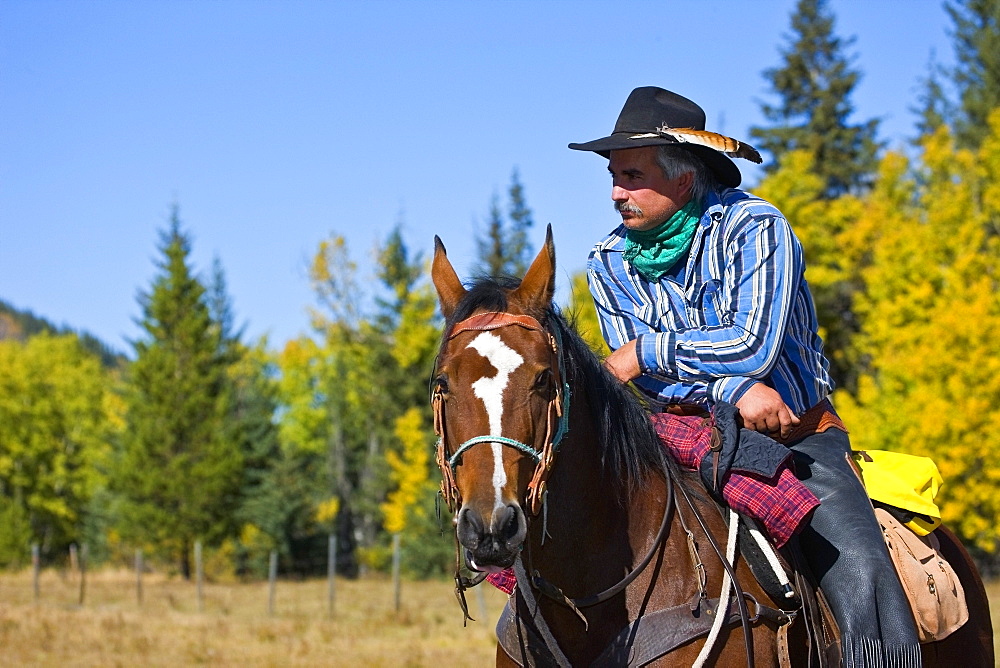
{"x":642,"y":195}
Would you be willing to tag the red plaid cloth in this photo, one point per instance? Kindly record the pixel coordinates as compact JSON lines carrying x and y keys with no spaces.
{"x":505,"y":580}
{"x":782,"y":503}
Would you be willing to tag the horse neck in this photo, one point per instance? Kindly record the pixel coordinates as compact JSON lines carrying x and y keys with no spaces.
{"x":586,"y":523}
{"x":594,"y":535}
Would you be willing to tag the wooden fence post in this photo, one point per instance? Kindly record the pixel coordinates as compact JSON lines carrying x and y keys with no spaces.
{"x":138,"y":576}
{"x":272,"y":576}
{"x":481,"y":597}
{"x":395,"y":569}
{"x":198,"y":575}
{"x":83,"y":573}
{"x":331,"y":572}
{"x":36,"y":566}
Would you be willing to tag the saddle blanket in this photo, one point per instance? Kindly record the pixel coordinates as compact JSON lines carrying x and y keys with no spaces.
{"x":781,"y":502}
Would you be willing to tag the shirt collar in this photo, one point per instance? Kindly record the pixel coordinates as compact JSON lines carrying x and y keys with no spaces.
{"x":713,"y":209}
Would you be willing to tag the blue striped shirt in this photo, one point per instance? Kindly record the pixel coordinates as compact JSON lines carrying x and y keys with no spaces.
{"x":738,"y":312}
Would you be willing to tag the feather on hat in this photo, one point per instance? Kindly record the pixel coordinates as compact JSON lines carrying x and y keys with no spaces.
{"x":654,"y":117}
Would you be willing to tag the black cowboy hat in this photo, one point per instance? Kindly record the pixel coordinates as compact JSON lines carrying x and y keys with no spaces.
{"x":654,"y":117}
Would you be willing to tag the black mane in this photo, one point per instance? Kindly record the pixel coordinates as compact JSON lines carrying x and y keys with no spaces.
{"x":631,"y":449}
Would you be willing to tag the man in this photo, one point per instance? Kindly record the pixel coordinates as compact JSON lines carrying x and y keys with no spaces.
{"x":702,"y":298}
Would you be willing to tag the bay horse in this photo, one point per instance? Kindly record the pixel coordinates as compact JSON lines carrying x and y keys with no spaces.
{"x":618,"y":552}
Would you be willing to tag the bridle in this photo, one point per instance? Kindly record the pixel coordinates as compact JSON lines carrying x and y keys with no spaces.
{"x":557,"y":420}
{"x":556,"y":428}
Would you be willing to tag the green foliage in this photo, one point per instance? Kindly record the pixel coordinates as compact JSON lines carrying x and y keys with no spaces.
{"x":409,"y":509}
{"x":345,"y":390}
{"x":20,"y":325}
{"x":16,"y":535}
{"x":933,"y":108}
{"x":814,"y":86}
{"x":503,"y":249}
{"x":58,"y":417}
{"x":977,"y":75}
{"x":180,"y":469}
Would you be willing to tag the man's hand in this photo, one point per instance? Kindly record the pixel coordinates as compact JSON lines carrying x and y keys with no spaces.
{"x":623,"y":363}
{"x":763,"y":410}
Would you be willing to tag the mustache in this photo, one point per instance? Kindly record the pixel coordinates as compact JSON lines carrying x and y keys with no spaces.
{"x":625,"y":207}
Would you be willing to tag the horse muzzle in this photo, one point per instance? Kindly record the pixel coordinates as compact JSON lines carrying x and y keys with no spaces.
{"x":492,"y":543}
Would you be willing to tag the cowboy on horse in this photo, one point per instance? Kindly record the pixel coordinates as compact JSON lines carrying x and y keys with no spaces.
{"x":702,"y":298}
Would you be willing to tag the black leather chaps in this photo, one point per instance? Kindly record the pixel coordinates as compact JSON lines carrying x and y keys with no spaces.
{"x":844,"y":546}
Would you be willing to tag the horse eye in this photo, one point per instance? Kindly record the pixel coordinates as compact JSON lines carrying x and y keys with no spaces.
{"x":543,"y":381}
{"x":441,"y":384}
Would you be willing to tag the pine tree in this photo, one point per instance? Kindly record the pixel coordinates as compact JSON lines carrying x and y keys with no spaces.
{"x":933,"y":107}
{"x":503,"y":248}
{"x":493,"y":257}
{"x":977,"y":76}
{"x":520,"y":222}
{"x":814,"y":86}
{"x":178,"y":472}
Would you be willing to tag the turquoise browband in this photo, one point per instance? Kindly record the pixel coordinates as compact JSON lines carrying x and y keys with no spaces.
{"x":526,"y":449}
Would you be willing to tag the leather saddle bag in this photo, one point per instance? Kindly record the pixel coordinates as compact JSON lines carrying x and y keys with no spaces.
{"x":931,"y":585}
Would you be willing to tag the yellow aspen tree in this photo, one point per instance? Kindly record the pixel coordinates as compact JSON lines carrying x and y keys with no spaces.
{"x":583,"y":314}
{"x":931,"y":327}
{"x":409,"y":471}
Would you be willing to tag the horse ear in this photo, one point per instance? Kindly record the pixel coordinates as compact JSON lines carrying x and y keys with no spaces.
{"x":449,"y":288}
{"x":538,"y":286}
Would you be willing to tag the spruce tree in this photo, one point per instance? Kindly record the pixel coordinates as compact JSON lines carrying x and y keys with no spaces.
{"x":503,"y":248}
{"x":977,"y":75}
{"x":493,"y":258}
{"x":933,"y":108}
{"x":814,"y":86}
{"x":520,"y":222}
{"x":178,"y":473}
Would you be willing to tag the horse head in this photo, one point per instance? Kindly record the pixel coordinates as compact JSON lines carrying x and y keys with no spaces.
{"x":498,"y":400}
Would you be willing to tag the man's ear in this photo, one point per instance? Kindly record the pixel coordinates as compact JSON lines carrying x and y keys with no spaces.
{"x":685,"y":183}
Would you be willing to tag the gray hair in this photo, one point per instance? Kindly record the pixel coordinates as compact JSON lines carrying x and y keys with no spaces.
{"x":675,"y":161}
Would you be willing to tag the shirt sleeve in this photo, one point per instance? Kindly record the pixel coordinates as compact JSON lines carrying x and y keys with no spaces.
{"x":753,"y":304}
{"x":620,"y":323}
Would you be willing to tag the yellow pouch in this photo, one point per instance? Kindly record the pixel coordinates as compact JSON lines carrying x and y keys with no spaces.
{"x":905,"y":481}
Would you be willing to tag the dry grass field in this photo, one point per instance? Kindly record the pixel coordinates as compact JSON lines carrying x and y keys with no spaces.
{"x":234,"y":628}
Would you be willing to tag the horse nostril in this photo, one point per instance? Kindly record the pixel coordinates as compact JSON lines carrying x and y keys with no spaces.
{"x":509,"y":524}
{"x":469,"y":527}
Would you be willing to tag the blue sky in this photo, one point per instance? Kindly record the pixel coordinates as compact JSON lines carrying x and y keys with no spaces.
{"x":275,"y":124}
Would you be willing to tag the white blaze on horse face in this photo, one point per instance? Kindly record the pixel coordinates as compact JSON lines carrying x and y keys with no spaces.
{"x":490,"y":390}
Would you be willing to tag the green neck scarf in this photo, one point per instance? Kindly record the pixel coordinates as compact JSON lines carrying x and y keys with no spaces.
{"x":653,"y":252}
